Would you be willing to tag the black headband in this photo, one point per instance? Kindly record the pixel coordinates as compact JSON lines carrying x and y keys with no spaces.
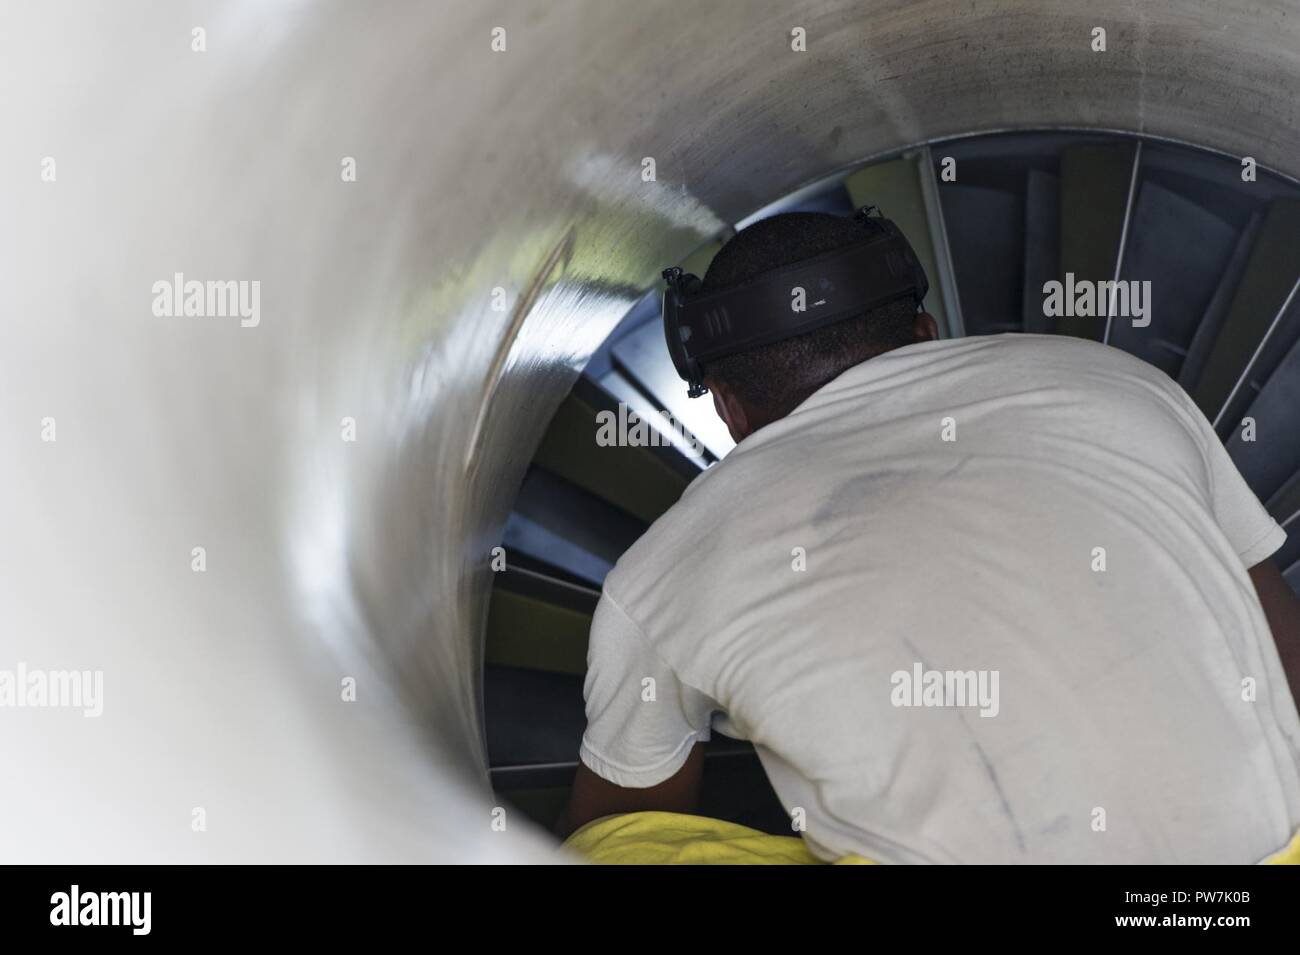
{"x":798,"y":298}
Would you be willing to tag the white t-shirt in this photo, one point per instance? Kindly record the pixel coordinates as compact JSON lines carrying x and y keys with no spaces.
{"x":1043,"y":535}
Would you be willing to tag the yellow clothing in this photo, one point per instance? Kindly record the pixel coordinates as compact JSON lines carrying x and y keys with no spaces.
{"x":670,"y":838}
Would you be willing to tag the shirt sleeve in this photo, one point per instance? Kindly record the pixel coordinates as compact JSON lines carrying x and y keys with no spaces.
{"x":1251,"y":530}
{"x":642,"y":721}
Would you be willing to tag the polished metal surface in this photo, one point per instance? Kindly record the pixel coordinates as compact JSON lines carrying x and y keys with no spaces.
{"x":476,"y":170}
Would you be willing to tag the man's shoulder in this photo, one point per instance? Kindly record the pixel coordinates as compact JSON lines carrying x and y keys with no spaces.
{"x":1076,"y":360}
{"x":1070,"y":349}
{"x":674,"y":544}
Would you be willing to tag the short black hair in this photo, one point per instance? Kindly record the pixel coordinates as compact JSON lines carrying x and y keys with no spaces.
{"x":779,"y":376}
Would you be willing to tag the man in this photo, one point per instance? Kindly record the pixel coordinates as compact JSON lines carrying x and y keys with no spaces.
{"x":977,"y":600}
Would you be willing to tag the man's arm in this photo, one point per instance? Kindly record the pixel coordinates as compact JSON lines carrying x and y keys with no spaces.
{"x":640,"y":750}
{"x":1282,"y":608}
{"x":594,"y":797}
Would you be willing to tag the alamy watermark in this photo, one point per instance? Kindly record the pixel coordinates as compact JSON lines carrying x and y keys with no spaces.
{"x":1084,"y":298}
{"x":922,"y":687}
{"x":628,"y":429}
{"x":76,"y":907}
{"x":220,"y":299}
{"x":55,"y":689}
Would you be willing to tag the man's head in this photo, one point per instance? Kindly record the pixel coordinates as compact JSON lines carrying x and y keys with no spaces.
{"x":753,"y":388}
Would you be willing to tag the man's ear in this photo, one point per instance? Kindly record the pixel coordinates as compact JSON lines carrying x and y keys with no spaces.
{"x":926,"y":329}
{"x":730,"y":409}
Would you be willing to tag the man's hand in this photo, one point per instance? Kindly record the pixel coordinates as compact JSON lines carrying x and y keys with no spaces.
{"x":594,"y":797}
{"x":1282,"y":608}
